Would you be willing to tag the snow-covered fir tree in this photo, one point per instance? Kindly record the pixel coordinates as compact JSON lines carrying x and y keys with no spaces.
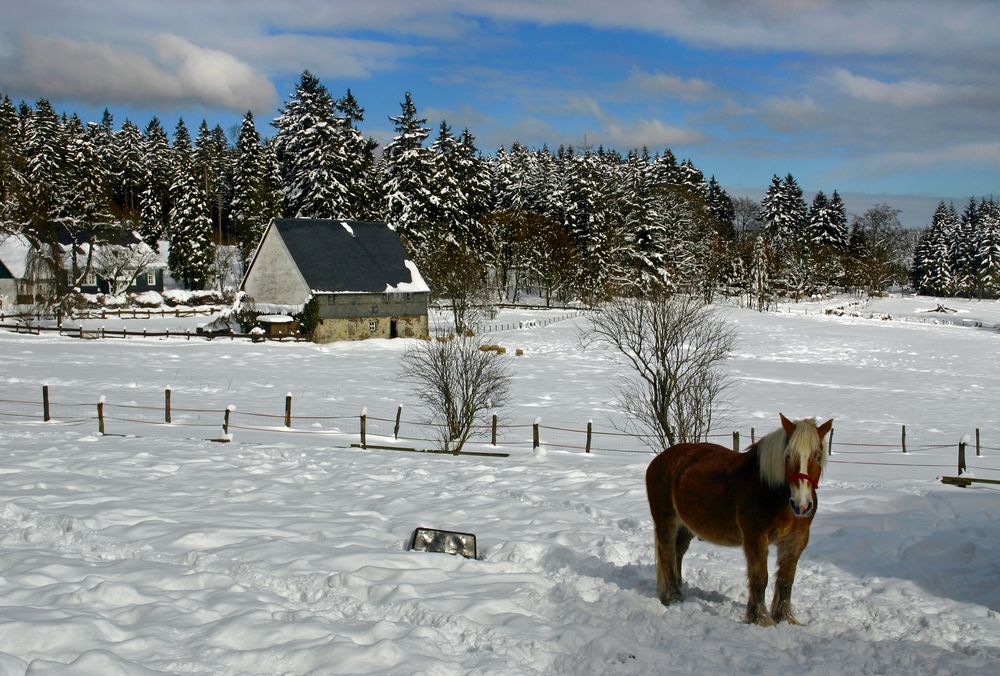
{"x":157,"y":176}
{"x":192,"y":249}
{"x":311,"y":148}
{"x":127,"y":172}
{"x":407,"y":173}
{"x":255,"y":200}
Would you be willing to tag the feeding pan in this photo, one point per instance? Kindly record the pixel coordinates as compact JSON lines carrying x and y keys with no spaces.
{"x":443,"y":541}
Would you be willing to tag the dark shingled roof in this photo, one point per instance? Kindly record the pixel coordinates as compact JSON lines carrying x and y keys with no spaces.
{"x":331,"y":259}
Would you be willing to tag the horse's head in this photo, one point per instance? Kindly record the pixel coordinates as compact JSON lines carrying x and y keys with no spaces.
{"x":804,"y":460}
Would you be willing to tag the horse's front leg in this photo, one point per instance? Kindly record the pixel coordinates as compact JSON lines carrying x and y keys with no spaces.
{"x":789,"y":550}
{"x":756,"y":554}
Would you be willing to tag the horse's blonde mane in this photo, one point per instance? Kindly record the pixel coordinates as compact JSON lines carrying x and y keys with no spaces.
{"x":775,"y":446}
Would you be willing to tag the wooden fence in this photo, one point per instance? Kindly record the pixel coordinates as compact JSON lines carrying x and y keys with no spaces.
{"x":102,"y":332}
{"x":398,"y":433}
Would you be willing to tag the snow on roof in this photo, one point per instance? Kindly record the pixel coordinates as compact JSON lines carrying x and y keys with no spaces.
{"x":14,"y":254}
{"x":275,"y":319}
{"x":348,"y":228}
{"x":415,"y":285}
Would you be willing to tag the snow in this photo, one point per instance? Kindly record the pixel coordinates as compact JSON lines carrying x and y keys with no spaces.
{"x":275,"y":319}
{"x":153,"y":549}
{"x":348,"y":228}
{"x":415,"y":285}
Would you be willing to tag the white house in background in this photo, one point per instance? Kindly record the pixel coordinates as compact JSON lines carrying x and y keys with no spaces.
{"x":357,"y":271}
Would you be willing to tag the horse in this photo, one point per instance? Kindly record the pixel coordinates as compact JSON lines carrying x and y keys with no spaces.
{"x":765,"y":495}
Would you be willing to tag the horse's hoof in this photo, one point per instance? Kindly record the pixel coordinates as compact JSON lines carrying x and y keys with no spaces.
{"x":787,"y":617}
{"x":668,"y":599}
{"x":758,"y":617}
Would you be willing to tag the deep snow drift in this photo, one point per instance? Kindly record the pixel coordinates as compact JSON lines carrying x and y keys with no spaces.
{"x":285,"y":553}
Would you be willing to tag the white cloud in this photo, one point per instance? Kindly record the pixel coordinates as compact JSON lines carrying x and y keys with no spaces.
{"x":658,"y":83}
{"x":650,"y":133}
{"x":54,"y":66}
{"x":903,"y":93}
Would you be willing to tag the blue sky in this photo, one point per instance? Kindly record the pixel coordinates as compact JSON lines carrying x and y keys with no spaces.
{"x":891,"y":101}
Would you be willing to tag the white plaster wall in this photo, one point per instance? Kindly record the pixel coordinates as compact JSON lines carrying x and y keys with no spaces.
{"x":273,"y":278}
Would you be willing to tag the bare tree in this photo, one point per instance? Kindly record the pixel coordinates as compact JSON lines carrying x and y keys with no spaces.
{"x":883,"y":251}
{"x":226,"y":266}
{"x":120,"y":264}
{"x":453,"y":272}
{"x":457,"y":383}
{"x":673,"y":346}
{"x":746,"y":217}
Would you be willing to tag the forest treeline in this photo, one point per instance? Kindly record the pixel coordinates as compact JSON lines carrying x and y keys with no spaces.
{"x":567,"y":223}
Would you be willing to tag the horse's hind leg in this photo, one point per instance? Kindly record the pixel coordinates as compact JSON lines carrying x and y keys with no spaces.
{"x":683,"y":540}
{"x":668,"y":579}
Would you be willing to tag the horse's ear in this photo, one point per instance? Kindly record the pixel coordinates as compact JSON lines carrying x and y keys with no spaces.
{"x":824,"y":428}
{"x":787,"y":424}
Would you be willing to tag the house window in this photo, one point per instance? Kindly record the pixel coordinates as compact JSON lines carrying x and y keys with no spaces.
{"x":372,"y":325}
{"x":151,"y":278}
{"x":90,"y":279}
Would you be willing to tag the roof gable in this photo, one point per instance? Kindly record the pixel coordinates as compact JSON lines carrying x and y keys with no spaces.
{"x":339,"y":256}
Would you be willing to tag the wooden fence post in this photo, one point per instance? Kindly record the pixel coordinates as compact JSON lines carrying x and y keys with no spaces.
{"x":395,"y":429}
{"x":225,"y":420}
{"x":81,"y":330}
{"x":977,"y":443}
{"x":100,"y":415}
{"x":961,"y":457}
{"x":535,"y":438}
{"x":45,"y":403}
{"x":364,"y":425}
{"x":830,"y":445}
{"x":288,"y":410}
{"x":493,"y":430}
{"x":166,"y":405}
{"x":903,"y":439}
{"x":590,"y":433}
{"x":753,"y":435}
{"x":736,"y":441}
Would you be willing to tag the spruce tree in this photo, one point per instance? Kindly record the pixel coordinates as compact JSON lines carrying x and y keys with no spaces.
{"x":128,"y":171}
{"x":312,"y":151}
{"x":255,"y":201}
{"x":407,"y":173}
{"x":192,"y":250}
{"x":157,"y":176}
{"x":720,"y":206}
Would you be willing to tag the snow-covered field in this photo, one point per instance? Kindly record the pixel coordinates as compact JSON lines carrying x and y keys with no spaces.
{"x":160,"y":551}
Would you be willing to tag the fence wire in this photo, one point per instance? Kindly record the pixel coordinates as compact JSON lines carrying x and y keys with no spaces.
{"x":319,"y":419}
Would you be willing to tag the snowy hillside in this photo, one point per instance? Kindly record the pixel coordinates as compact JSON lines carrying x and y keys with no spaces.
{"x":160,"y":551}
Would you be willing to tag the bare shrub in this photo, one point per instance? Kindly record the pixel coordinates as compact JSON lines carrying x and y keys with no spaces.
{"x":458,"y":384}
{"x":673,"y":346}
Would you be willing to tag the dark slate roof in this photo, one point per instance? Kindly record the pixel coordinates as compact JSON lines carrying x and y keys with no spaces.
{"x":4,"y":272}
{"x":331,"y":259}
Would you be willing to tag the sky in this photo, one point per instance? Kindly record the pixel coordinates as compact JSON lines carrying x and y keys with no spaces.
{"x":891,"y":101}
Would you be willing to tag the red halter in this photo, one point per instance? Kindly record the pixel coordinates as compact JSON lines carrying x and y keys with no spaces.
{"x":792,"y":477}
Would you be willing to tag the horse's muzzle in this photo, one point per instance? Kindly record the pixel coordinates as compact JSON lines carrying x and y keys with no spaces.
{"x":800,"y":511}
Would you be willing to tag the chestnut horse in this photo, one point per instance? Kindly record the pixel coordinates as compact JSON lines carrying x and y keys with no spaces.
{"x":765,"y":495}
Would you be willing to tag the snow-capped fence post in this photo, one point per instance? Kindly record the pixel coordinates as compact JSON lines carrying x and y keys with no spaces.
{"x":166,"y":405}
{"x":903,"y":439}
{"x":225,"y":420}
{"x":100,"y":415}
{"x":590,"y":434}
{"x":364,"y":425}
{"x":395,"y":428}
{"x":736,"y":441}
{"x":45,"y":403}
{"x":961,"y":455}
{"x":535,"y":439}
{"x":288,"y":410}
{"x":493,"y":430}
{"x":829,"y":446}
